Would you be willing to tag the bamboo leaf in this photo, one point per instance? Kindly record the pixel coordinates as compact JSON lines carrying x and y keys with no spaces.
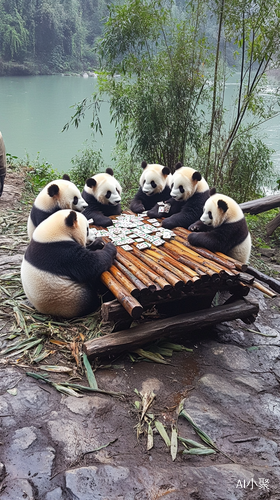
{"x":66,"y":390}
{"x":151,"y":356}
{"x":150,"y":440}
{"x":55,"y":369}
{"x":161,"y":429}
{"x":190,"y":442}
{"x":147,"y":400}
{"x":89,"y":373}
{"x":175,"y":347}
{"x":199,"y":451}
{"x":174,"y":443}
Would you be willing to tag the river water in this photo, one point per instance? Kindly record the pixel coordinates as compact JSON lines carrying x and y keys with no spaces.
{"x":34,"y":110}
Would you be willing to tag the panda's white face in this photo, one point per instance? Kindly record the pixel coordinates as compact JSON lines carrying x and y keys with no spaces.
{"x":154,"y":179}
{"x":64,"y":225}
{"x":220,"y":208}
{"x":183,"y":186}
{"x":61,"y":193}
{"x":105,"y":188}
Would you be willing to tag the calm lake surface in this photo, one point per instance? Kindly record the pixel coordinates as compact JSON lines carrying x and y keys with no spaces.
{"x":34,"y":110}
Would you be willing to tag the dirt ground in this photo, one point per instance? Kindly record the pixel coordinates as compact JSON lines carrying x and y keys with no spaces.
{"x":59,"y":446}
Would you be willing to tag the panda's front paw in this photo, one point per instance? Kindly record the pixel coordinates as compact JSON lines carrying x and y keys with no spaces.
{"x":97,"y":244}
{"x":110,"y":247}
{"x":197,"y":226}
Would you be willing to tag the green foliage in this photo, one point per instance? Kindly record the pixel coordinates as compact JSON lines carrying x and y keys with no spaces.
{"x":38,"y":174}
{"x":248,"y":169}
{"x":85,"y":165}
{"x":127,"y":172}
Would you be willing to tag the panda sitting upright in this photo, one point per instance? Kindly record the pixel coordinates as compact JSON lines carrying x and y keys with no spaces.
{"x":56,"y":195}
{"x":189,"y":191}
{"x":59,"y":274}
{"x":223,"y":229}
{"x":155,"y":184}
{"x":102,"y":193}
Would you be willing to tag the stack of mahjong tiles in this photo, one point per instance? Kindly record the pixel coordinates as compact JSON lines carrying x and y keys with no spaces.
{"x":154,"y":265}
{"x":138,"y":230}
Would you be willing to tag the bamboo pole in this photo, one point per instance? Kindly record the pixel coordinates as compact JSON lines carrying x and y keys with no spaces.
{"x":263,"y":289}
{"x":171,"y":265}
{"x":217,"y":256}
{"x":138,"y":283}
{"x":175,"y":262}
{"x":131,"y":305}
{"x":204,"y":272}
{"x":124,"y":258}
{"x":123,"y":280}
{"x":158,"y":280}
{"x":167,"y":275}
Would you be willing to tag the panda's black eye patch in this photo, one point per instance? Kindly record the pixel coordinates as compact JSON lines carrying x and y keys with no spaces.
{"x":172,"y":185}
{"x":181,"y":189}
{"x":75,"y":201}
{"x":210,"y":215}
{"x":153,"y":184}
{"x":108,"y":195}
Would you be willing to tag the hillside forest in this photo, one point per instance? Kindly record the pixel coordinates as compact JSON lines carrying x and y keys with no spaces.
{"x":48,"y":36}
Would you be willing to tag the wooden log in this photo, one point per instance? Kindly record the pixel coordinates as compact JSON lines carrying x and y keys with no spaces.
{"x":138,"y":283}
{"x":272,"y":282}
{"x":272,"y":225}
{"x":167,"y":275}
{"x":254,"y":207}
{"x":126,"y":261}
{"x":128,"y":340}
{"x":123,"y":280}
{"x":131,"y":305}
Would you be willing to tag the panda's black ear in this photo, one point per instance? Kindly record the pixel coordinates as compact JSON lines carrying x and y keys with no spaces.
{"x":71,"y":218}
{"x":91,"y":182}
{"x":212,"y":191}
{"x":143,"y":164}
{"x":66,"y":177}
{"x":165,"y":171}
{"x":196,"y":176}
{"x":53,"y":189}
{"x":178,"y":165}
{"x":109,"y":171}
{"x":222,"y":205}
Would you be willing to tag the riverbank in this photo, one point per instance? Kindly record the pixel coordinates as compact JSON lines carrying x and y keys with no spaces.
{"x":61,"y":447}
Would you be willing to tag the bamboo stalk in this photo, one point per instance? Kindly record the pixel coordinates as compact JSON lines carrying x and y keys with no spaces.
{"x":167,"y":275}
{"x":204,"y":272}
{"x":123,"y":280}
{"x":138,"y":283}
{"x":126,"y":261}
{"x":158,"y":280}
{"x":176,"y":262}
{"x":217,"y":256}
{"x":171,"y":265}
{"x":263,"y":289}
{"x":131,"y":305}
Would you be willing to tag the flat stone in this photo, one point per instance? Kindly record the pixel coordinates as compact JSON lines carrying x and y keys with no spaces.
{"x":250,"y":381}
{"x":55,"y":494}
{"x":24,"y":437}
{"x":75,"y":438}
{"x":9,"y":378}
{"x":221,"y":390}
{"x":95,"y":405}
{"x":231,"y":356}
{"x":88,"y":483}
{"x":17,"y":489}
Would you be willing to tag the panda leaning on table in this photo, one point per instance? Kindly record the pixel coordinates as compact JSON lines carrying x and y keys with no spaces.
{"x":222,"y":228}
{"x":102,"y":192}
{"x":154,"y":187}
{"x":60,"y":275}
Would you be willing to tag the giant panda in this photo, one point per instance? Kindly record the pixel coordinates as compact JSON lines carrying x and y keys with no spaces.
{"x":56,"y":195}
{"x":189,"y":191}
{"x":59,"y":274}
{"x":223,"y":228}
{"x":102,"y":193}
{"x":155,"y":184}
